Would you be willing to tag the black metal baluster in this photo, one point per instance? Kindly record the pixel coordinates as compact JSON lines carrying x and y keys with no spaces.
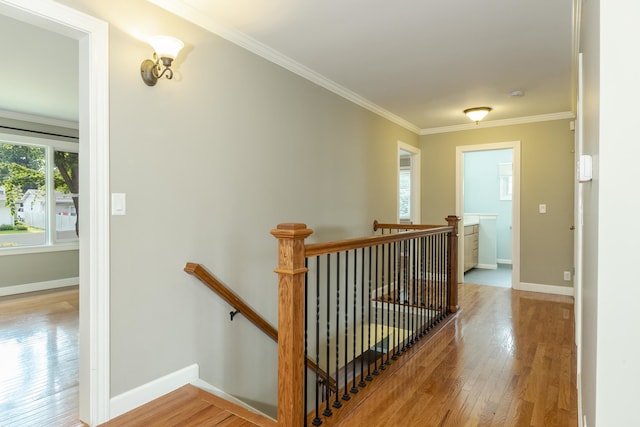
{"x":389,"y":277}
{"x":346,"y":396}
{"x":369,"y":352}
{"x":375,"y":339}
{"x":316,"y":420}
{"x":397,"y":257}
{"x":354,"y":388}
{"x":431,"y":284}
{"x":327,"y":411}
{"x":363,"y":280}
{"x":306,"y":346}
{"x":442,"y":277}
{"x":410,"y":284}
{"x":336,"y":403}
{"x":423,"y":285}
{"x":413,"y":320}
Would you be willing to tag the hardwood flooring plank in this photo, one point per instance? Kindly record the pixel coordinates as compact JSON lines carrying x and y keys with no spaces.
{"x":507,"y":360}
{"x":39,"y":355}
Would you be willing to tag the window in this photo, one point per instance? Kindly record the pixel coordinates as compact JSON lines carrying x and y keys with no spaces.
{"x":405,"y":189}
{"x":505,"y":174}
{"x":38,"y":192}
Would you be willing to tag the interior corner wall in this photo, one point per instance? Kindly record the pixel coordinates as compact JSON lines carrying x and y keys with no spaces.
{"x":611,"y":292}
{"x":210,"y":162}
{"x":38,"y":268}
{"x":546,"y":176}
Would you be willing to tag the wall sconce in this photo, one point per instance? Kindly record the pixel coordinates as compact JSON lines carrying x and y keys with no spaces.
{"x":477,"y":113}
{"x":165,"y":50}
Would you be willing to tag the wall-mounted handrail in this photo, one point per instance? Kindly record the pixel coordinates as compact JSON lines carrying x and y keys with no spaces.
{"x":243,"y":308}
{"x":230,"y":297}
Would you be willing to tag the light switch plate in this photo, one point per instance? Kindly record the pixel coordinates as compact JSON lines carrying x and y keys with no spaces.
{"x":542,"y":208}
{"x":118,"y":204}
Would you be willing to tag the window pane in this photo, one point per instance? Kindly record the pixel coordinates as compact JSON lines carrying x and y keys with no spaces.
{"x":66,"y":180}
{"x":405,"y":193}
{"x":23,"y":204}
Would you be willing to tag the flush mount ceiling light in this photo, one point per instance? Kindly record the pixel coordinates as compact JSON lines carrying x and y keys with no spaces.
{"x":477,"y":113}
{"x":165,"y":50}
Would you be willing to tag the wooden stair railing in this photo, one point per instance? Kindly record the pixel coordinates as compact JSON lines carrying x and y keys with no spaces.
{"x":243,"y":308}
{"x":292,"y":269}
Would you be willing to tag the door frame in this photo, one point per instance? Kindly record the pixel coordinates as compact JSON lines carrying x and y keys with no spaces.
{"x":515,"y":208}
{"x":415,"y":181}
{"x":93,"y":43}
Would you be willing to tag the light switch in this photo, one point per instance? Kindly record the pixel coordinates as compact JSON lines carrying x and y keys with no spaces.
{"x":118,"y":204}
{"x":542,"y":208}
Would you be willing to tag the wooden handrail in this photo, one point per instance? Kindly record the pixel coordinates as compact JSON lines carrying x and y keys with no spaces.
{"x":237,"y":303}
{"x":291,"y":270}
{"x":316,"y":249}
{"x":377,"y":225}
{"x":230,"y":297}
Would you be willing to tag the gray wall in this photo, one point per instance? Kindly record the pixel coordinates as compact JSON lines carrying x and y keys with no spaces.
{"x":210,"y":163}
{"x":546,"y":241}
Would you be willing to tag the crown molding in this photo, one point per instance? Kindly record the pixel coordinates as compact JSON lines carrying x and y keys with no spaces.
{"x":201,"y":19}
{"x":496,"y":123}
{"x":5,"y":114}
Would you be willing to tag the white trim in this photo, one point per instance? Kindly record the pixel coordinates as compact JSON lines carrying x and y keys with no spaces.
{"x":547,"y":289}
{"x":38,"y":286}
{"x":226,"y":396}
{"x":39,"y":141}
{"x":145,"y":393}
{"x":93,"y":37}
{"x":12,"y":115}
{"x":252,"y":45}
{"x":25,"y":250}
{"x":497,"y":123}
{"x":487,"y":266}
{"x":504,"y":261}
{"x":515,"y":207}
{"x":416,"y":178}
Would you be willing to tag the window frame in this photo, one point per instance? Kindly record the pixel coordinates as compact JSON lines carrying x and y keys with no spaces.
{"x":50,"y":145}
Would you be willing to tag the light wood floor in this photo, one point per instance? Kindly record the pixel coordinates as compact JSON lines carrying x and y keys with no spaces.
{"x":39,"y":359}
{"x":508,"y":359}
{"x":190,"y":407}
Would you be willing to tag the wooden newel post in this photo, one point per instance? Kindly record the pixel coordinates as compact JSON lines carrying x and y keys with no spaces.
{"x":452,"y":268}
{"x":291,"y":270}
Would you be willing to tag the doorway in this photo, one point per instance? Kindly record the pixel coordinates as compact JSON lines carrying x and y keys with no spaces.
{"x":92,"y":35}
{"x":408,"y":162}
{"x":494,"y":227}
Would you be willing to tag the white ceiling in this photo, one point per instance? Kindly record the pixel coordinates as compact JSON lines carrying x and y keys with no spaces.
{"x":419,"y":63}
{"x":39,"y":73}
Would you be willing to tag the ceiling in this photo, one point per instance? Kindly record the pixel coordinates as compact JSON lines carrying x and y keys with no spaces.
{"x":418,"y":63}
{"x":39,"y":75}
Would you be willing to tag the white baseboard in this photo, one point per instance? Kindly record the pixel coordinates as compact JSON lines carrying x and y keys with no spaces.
{"x":504,"y":261}
{"x":547,"y":289}
{"x":39,"y":286}
{"x":581,"y":417}
{"x":488,"y":266}
{"x":226,"y":396}
{"x":138,"y":396}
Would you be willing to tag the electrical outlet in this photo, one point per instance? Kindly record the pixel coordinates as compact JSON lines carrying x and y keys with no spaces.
{"x":567,"y":276}
{"x":542,"y":208}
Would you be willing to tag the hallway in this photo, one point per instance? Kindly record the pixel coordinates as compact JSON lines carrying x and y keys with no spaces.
{"x":508,"y":359}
